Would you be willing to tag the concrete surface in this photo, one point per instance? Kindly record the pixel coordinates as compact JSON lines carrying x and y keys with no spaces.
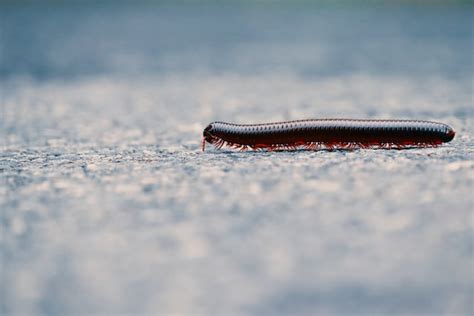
{"x":109,"y":207}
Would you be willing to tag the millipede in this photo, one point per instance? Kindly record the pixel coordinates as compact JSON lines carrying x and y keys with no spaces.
{"x":314,"y":134}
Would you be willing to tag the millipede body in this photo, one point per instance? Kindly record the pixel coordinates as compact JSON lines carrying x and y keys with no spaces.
{"x":328,"y":134}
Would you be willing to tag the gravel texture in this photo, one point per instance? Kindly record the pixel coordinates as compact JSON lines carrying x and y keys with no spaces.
{"x":108,"y":206}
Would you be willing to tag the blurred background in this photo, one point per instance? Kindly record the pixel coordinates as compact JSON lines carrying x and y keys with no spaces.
{"x":68,"y":39}
{"x":109,"y":207}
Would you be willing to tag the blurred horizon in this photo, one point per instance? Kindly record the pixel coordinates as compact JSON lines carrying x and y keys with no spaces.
{"x":72,"y":39}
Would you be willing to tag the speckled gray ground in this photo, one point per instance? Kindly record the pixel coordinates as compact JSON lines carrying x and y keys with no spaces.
{"x":109,"y":207}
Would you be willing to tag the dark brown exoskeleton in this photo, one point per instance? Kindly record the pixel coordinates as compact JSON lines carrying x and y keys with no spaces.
{"x":329,"y":134}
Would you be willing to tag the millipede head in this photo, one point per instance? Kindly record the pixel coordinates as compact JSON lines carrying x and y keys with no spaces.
{"x":208,"y":136}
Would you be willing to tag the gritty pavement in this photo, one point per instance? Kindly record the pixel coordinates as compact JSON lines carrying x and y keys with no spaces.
{"x":108,"y":205}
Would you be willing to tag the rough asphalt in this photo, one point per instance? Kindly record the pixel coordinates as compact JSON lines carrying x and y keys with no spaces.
{"x":108,"y":205}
